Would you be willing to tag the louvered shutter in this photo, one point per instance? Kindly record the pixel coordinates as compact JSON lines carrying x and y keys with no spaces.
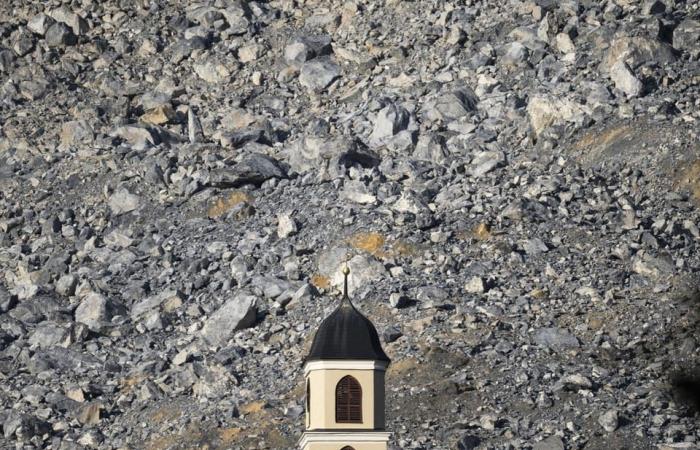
{"x":348,"y":401}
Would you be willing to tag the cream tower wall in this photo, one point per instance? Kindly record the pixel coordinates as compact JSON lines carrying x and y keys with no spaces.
{"x":338,"y":440}
{"x":322,"y":378}
{"x":322,"y":399}
{"x":340,"y":445}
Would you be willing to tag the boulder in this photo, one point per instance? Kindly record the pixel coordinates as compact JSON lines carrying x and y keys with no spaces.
{"x":317,"y":74}
{"x":556,"y":339}
{"x":93,"y":311}
{"x":123,"y":201}
{"x":237,"y":313}
{"x":625,"y":80}
{"x":686,"y":36}
{"x":254,"y":168}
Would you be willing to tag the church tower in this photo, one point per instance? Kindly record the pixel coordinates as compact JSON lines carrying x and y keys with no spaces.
{"x":344,"y":374}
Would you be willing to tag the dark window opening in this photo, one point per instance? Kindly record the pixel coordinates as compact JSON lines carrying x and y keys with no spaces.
{"x":308,"y":397}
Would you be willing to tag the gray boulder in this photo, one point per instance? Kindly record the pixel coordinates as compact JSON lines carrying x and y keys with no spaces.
{"x":305,"y":48}
{"x":686,"y":36}
{"x":93,"y":311}
{"x":317,"y":74}
{"x":390,"y":120}
{"x":625,"y":80}
{"x":556,"y":338}
{"x":551,"y":443}
{"x":123,"y":201}
{"x":255,"y":169}
{"x":24,"y":426}
{"x":47,"y":334}
{"x":39,"y":24}
{"x":237,"y":313}
{"x":60,"y":35}
{"x":636,"y":50}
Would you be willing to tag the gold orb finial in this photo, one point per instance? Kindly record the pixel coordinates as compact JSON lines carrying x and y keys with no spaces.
{"x":346,"y":272}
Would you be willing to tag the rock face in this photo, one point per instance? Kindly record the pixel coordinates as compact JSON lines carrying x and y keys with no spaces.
{"x":514,"y":185}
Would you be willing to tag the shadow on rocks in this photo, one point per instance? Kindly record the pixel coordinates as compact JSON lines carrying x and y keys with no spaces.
{"x":683,"y":372}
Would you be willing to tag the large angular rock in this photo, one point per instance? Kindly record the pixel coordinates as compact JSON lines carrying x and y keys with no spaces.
{"x":93,"y":311}
{"x":238,"y":313}
{"x":364,"y":268}
{"x":636,"y":50}
{"x":78,"y":25}
{"x":390,"y":120}
{"x":123,"y":201}
{"x":24,"y":426}
{"x":39,"y":24}
{"x":305,"y":48}
{"x":451,"y":105}
{"x":545,"y":111}
{"x":212,"y":72}
{"x":686,"y":36}
{"x":138,"y":136}
{"x":556,"y":339}
{"x":255,"y":169}
{"x":625,"y":80}
{"x":317,"y":74}
{"x":60,"y":35}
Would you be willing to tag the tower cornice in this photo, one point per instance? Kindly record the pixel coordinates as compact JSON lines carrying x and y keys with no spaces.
{"x":345,"y":364}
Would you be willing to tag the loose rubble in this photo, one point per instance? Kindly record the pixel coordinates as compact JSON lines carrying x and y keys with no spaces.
{"x":514,"y":185}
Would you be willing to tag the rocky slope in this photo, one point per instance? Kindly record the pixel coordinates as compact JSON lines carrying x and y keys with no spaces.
{"x":514,"y":184}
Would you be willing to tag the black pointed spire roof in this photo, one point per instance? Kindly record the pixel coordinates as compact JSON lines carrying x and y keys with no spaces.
{"x":346,"y":334}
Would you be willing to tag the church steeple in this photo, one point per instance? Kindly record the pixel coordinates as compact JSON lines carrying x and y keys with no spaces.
{"x":344,"y":373}
{"x":346,"y":334}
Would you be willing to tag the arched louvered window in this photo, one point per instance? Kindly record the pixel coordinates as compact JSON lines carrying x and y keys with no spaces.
{"x":348,"y":401}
